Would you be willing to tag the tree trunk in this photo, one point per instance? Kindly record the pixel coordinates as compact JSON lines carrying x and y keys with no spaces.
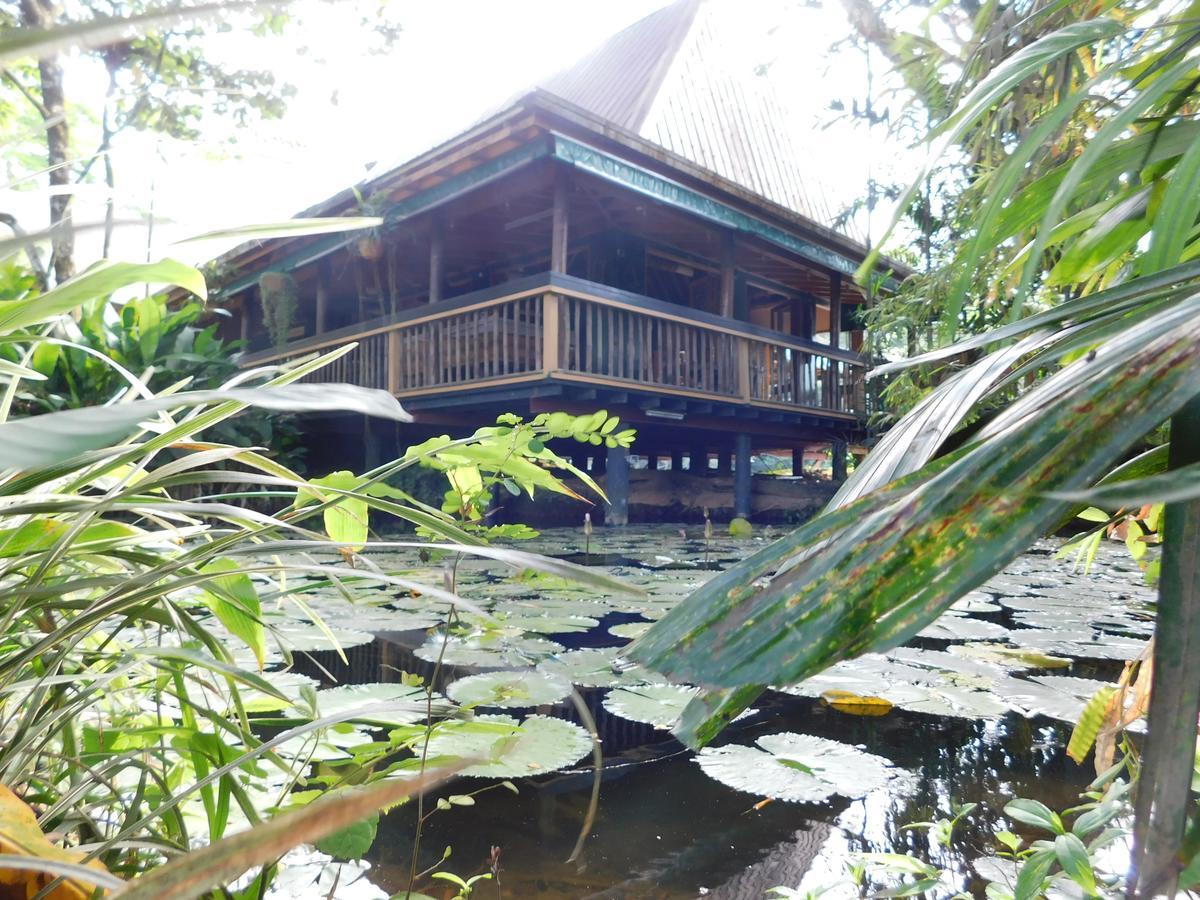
{"x":41,"y":14}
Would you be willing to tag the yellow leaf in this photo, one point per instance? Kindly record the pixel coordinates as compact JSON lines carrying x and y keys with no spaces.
{"x":21,"y":836}
{"x":857,"y":704}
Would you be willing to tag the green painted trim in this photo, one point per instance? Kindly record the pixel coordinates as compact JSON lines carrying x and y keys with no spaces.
{"x":674,"y":194}
{"x":401,"y":211}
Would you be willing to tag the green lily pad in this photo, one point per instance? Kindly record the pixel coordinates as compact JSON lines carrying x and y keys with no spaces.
{"x":1010,"y":657}
{"x":509,"y":689}
{"x":952,"y":627}
{"x":492,"y":650}
{"x":384,"y":703}
{"x":510,"y":749}
{"x":798,"y":768}
{"x":597,"y":667}
{"x":630,"y":630}
{"x":659,"y":705}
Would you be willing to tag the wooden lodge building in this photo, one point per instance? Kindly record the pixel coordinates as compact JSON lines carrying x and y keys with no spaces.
{"x":636,"y":234}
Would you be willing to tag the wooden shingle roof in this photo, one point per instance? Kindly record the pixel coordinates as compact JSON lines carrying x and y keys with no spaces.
{"x":684,"y":79}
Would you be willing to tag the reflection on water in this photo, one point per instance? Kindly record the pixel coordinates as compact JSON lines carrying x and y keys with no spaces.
{"x":666,"y":830}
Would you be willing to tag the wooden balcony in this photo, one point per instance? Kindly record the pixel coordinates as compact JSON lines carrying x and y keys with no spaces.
{"x":552,"y":326}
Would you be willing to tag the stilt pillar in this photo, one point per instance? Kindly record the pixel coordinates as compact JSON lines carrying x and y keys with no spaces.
{"x":741,"y":476}
{"x":676,"y":460}
{"x":839,"y":450}
{"x":698,"y":461}
{"x":616,"y":485}
{"x":797,"y":461}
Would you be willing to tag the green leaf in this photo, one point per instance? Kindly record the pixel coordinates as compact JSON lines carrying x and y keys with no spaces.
{"x":194,"y":873}
{"x":1073,"y":857}
{"x":1177,"y":216}
{"x":884,"y":576}
{"x":234,"y":601}
{"x":40,"y":441}
{"x":99,"y":281}
{"x":1170,"y":487}
{"x":1033,"y":874}
{"x":289,"y":228}
{"x":353,"y":841}
{"x":1035,"y":813}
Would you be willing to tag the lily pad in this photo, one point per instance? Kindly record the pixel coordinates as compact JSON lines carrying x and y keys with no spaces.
{"x":797,"y":767}
{"x":383,"y":703}
{"x":491,"y":650}
{"x":630,"y":630}
{"x":509,"y":689}
{"x":1011,"y":657}
{"x":952,"y":627}
{"x":597,"y":667}
{"x":659,"y":705}
{"x":510,"y":749}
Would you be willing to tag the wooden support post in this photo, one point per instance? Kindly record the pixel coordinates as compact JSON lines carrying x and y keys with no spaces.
{"x":322,"y":318}
{"x":741,"y":476}
{"x":437,"y":248}
{"x":394,"y":385}
{"x":802,"y":317}
{"x":676,"y":460}
{"x":371,"y":455}
{"x":797,"y":461}
{"x":723,"y":459}
{"x":550,"y":336}
{"x":698,"y":460}
{"x":245,"y":323}
{"x":743,"y":369}
{"x":616,"y":485}
{"x":839,"y":449}
{"x":559,"y":223}
{"x":728,"y":273}
{"x":835,"y":310}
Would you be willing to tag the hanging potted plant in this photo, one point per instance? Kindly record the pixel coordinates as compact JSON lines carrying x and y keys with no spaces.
{"x":369,"y":244}
{"x":279,"y":297}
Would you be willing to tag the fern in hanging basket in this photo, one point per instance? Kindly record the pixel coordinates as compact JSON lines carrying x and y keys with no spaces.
{"x":280,"y":298}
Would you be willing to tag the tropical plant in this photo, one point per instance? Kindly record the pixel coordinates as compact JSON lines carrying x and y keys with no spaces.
{"x":1117,"y":349}
{"x":137,"y":627}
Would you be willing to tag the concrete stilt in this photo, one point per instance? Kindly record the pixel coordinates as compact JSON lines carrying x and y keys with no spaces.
{"x":741,"y":476}
{"x":839,"y":449}
{"x":616,"y":485}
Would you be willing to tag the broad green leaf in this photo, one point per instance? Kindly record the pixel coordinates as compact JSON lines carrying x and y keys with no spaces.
{"x":885,"y":576}
{"x":99,"y":281}
{"x":347,"y":518}
{"x":353,"y":841}
{"x":1175,"y":220}
{"x":1175,"y":486}
{"x":1033,"y":874}
{"x":289,"y":228}
{"x":233,"y":599}
{"x":659,"y":705}
{"x":39,"y":441}
{"x":1073,"y":857}
{"x":1035,"y":813}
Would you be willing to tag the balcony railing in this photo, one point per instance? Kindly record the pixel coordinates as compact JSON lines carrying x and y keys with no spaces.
{"x":556,"y":326}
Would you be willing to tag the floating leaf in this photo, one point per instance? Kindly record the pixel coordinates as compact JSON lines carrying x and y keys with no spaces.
{"x":630,"y":630}
{"x":597,"y":668}
{"x":857,"y":704}
{"x":353,"y":841}
{"x":509,"y":689}
{"x":796,"y":767}
{"x":1011,"y":657}
{"x":659,"y":705}
{"x":488,"y":650}
{"x":535,"y":746}
{"x":385,"y":703}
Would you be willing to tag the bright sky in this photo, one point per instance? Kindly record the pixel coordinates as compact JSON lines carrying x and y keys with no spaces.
{"x":455,"y":61}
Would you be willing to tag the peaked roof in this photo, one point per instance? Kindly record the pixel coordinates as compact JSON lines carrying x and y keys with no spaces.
{"x":685,"y":78}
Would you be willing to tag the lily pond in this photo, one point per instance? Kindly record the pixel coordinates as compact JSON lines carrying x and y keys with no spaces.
{"x":977,"y":709}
